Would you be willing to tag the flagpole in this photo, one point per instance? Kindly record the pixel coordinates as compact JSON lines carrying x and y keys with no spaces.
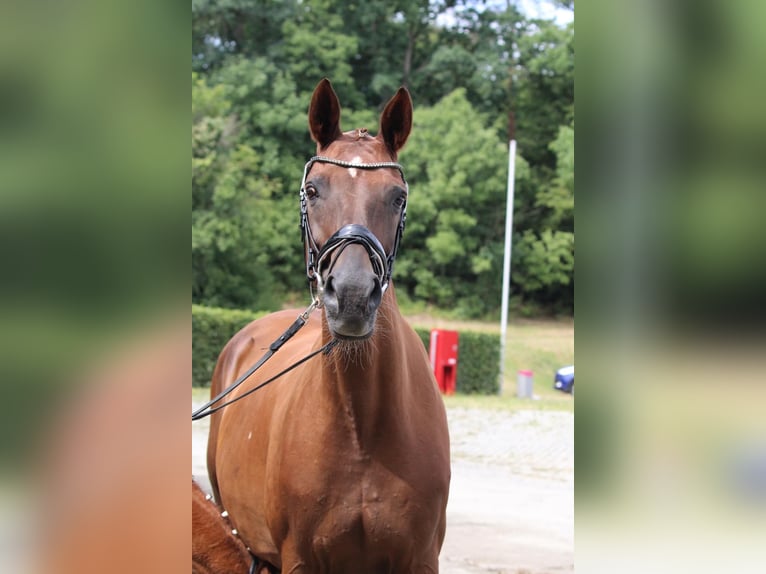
{"x":507,"y":257}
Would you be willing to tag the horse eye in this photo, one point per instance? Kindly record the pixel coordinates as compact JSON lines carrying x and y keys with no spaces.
{"x":311,"y":191}
{"x":399,"y":201}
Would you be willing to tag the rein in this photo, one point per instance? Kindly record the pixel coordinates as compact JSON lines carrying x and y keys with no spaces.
{"x":382,"y":264}
{"x":207,"y":409}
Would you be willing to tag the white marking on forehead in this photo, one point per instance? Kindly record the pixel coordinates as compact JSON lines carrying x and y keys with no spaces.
{"x":352,"y":170}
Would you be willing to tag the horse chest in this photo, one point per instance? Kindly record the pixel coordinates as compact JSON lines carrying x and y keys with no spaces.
{"x":347,"y":484}
{"x":361,"y":521}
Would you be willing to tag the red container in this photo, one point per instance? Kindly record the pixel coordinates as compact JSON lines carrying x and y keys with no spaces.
{"x":443,"y":353}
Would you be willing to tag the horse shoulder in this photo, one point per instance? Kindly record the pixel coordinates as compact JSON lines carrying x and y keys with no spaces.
{"x":242,"y":350}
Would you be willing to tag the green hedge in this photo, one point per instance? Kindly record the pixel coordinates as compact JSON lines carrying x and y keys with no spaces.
{"x":478,"y":359}
{"x":212,"y":328}
{"x":478,"y":365}
{"x":478,"y":368}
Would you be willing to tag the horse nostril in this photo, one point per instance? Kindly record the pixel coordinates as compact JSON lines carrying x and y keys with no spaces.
{"x":375,"y":295}
{"x":329,"y":286}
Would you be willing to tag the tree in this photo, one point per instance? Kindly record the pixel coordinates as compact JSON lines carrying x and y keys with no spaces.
{"x":544,"y":260}
{"x":467,"y":65}
{"x":543,"y":89}
{"x":456,"y":169}
{"x":558,"y":196}
{"x":543,"y":265}
{"x":229,"y":196}
{"x":248,"y":28}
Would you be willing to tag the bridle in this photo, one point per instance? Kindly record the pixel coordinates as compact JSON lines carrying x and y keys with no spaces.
{"x":382,"y":263}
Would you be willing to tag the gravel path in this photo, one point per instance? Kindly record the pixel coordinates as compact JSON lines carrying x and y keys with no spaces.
{"x":511,"y":507}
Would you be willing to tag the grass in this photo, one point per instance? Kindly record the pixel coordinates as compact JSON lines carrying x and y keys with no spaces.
{"x":540,"y":345}
{"x":509,"y":402}
{"x":200,"y":394}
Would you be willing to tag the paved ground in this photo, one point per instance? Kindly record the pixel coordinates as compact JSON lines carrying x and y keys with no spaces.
{"x":511,"y":498}
{"x":511,"y":508}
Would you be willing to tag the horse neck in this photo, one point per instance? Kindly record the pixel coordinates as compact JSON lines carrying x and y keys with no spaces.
{"x":366,"y":379}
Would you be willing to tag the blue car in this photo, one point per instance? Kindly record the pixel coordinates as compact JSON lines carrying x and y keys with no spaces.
{"x":564,"y":380}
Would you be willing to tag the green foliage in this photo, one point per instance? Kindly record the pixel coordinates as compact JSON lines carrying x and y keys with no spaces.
{"x":544,"y":88}
{"x":221,"y":28}
{"x":229,"y":196}
{"x":425,"y":336}
{"x":316,"y":44}
{"x":455,"y":231}
{"x":211,"y":329}
{"x":271,"y":115}
{"x":478,"y":369}
{"x":255,"y":63}
{"x":558,"y":196}
{"x":543,"y":263}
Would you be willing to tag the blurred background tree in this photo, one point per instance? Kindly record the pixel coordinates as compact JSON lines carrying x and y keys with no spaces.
{"x":468,"y":64}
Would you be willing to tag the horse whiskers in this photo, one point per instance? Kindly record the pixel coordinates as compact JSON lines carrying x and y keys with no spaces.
{"x":356,"y":353}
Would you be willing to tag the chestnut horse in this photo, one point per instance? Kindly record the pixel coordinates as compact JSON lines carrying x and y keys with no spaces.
{"x":342,"y":465}
{"x":216,"y":549}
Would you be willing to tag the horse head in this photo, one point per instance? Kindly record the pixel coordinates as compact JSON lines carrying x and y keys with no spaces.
{"x":354,"y":199}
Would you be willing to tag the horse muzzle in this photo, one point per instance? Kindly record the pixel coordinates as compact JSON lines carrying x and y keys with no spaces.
{"x":355,"y":280}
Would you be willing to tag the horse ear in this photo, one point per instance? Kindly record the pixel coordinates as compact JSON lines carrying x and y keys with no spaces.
{"x":396,"y":121}
{"x":324,"y":114}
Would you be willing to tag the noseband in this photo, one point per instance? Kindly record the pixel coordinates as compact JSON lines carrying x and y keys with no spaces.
{"x":382,"y":263}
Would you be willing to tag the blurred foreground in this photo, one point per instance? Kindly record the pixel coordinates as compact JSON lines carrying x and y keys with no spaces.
{"x":94,"y":212}
{"x":671,"y":405}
